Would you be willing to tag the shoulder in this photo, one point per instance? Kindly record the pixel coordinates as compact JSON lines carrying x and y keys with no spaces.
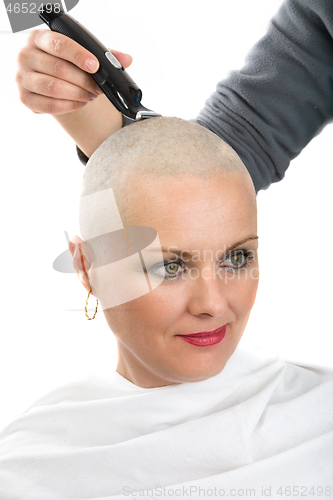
{"x":305,"y":381}
{"x":88,"y":388}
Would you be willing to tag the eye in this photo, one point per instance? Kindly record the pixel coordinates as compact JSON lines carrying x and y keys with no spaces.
{"x":237,"y":260}
{"x":170,"y":269}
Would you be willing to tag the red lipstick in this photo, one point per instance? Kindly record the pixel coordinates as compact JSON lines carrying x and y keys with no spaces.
{"x":205,"y":338}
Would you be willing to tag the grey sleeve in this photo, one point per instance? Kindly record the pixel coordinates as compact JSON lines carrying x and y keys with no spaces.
{"x":283,"y":96}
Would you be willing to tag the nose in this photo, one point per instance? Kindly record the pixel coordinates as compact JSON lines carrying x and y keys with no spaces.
{"x":208,"y":294}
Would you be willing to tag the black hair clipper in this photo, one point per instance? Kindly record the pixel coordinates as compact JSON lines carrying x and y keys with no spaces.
{"x":111,"y":77}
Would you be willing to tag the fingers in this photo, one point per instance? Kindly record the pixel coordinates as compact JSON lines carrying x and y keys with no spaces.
{"x":42,"y":104}
{"x":53,"y":87}
{"x":61,"y":46}
{"x":52,"y":74}
{"x":35,"y":60}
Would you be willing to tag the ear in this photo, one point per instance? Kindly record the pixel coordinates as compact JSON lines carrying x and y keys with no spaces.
{"x":81,"y":264}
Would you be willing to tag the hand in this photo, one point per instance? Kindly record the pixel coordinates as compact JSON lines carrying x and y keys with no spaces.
{"x":52,"y":77}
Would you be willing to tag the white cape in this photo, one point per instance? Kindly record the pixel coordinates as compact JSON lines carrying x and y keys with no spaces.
{"x":261,"y":428}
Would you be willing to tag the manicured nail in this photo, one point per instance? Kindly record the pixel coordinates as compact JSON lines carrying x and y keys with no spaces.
{"x":92,"y":65}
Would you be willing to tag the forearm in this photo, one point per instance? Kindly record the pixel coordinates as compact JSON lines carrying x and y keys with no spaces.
{"x":92,"y":124}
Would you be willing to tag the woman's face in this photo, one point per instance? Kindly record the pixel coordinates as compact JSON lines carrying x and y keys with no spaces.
{"x":206,"y":285}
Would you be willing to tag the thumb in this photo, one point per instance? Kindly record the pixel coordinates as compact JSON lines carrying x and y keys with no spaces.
{"x":124,"y":59}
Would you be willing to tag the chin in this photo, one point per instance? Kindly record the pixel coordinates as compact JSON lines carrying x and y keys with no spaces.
{"x":201,"y":363}
{"x":194,"y":372}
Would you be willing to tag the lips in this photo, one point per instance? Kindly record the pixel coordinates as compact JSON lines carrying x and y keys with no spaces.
{"x":205,"y":334}
{"x":203,"y":339}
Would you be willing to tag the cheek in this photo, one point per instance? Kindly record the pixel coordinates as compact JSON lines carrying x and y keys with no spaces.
{"x":151,"y":313}
{"x":242,"y":293}
{"x":160,"y":308}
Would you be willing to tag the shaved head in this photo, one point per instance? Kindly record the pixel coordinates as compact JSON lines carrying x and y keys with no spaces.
{"x":159,"y":147}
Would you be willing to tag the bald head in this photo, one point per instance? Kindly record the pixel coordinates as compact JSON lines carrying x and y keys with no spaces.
{"x":157,"y":147}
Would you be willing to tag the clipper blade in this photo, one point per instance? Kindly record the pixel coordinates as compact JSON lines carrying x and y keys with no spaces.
{"x":145,"y":113}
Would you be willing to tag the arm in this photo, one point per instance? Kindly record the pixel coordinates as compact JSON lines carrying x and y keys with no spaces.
{"x":283,"y":96}
{"x":99,"y":116}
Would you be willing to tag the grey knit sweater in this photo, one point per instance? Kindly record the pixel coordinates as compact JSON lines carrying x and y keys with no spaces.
{"x":282,"y":97}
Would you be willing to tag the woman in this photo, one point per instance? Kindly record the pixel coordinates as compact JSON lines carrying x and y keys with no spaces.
{"x":187,"y":412}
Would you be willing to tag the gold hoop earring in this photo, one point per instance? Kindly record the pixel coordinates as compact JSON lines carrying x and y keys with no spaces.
{"x":87,"y":304}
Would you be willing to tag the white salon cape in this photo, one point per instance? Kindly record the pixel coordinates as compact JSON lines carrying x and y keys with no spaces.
{"x":262,"y":428}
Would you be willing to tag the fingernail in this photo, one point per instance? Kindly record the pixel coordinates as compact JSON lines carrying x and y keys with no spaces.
{"x":98,"y":91}
{"x":93,"y":96}
{"x":92,"y":65}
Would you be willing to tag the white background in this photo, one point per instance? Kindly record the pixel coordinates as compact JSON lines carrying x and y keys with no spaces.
{"x":181,"y":50}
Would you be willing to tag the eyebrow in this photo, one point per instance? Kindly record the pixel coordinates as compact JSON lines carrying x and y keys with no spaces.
{"x":232,"y":247}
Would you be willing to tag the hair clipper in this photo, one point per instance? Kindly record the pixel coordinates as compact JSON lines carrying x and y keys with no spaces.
{"x":111,"y":77}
